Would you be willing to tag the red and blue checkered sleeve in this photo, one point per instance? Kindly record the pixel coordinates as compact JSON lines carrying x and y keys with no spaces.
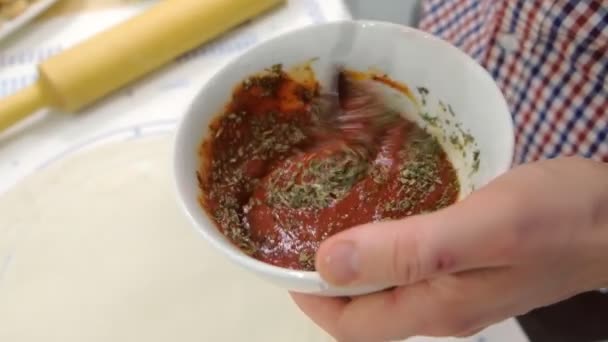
{"x":549,"y":58}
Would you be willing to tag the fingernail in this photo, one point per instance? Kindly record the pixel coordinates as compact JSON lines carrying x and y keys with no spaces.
{"x":342,"y":263}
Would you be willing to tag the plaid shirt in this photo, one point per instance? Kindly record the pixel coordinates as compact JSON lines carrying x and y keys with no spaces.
{"x":550,"y":58}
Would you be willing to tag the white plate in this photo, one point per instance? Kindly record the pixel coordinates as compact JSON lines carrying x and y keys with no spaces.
{"x":117,"y":261}
{"x":9,"y":27}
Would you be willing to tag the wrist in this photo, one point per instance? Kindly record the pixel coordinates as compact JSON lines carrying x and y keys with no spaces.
{"x":595,"y":245}
{"x":604,"y":272}
{"x":604,"y":277}
{"x":601,"y":230}
{"x":593,"y":272}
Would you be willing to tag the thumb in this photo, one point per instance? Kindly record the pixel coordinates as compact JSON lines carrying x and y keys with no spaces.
{"x":479,"y":232}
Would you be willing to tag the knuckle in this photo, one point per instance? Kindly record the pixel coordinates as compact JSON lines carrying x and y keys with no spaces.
{"x":347,"y":331}
{"x":513,"y":224}
{"x":347,"y":335}
{"x":405,"y":262}
{"x":470,"y":333}
{"x":341,"y":335}
{"x":508,"y":246}
{"x":452,"y":324}
{"x":450,"y":315}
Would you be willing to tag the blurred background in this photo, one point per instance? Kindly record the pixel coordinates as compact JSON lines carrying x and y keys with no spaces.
{"x":398,"y":11}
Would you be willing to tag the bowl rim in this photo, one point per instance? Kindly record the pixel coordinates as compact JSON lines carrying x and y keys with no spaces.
{"x":311,"y":277}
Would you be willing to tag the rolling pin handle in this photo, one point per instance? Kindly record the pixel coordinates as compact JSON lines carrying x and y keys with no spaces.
{"x":20,"y":105}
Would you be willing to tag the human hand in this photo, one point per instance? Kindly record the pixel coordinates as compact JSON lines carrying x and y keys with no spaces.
{"x":531,"y":238}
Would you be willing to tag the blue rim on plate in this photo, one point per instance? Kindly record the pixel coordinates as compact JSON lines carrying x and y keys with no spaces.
{"x":138,"y":131}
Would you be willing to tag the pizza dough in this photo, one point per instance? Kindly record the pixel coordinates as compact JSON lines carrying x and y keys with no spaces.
{"x":95,"y":248}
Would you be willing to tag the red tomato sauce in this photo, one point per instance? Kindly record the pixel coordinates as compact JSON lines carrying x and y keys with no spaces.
{"x":276,"y":192}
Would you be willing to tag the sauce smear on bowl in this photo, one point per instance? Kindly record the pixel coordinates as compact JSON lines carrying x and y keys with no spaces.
{"x":277,"y":192}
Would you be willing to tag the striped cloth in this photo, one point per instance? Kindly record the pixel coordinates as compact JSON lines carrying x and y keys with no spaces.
{"x":550,"y":58}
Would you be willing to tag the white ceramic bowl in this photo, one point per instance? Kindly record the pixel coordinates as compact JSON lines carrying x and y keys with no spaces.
{"x":406,"y":55}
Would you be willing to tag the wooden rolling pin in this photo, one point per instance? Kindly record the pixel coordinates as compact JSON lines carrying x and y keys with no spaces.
{"x":110,"y":60}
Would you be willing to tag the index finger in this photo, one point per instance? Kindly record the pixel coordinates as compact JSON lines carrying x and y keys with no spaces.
{"x":447,"y":306}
